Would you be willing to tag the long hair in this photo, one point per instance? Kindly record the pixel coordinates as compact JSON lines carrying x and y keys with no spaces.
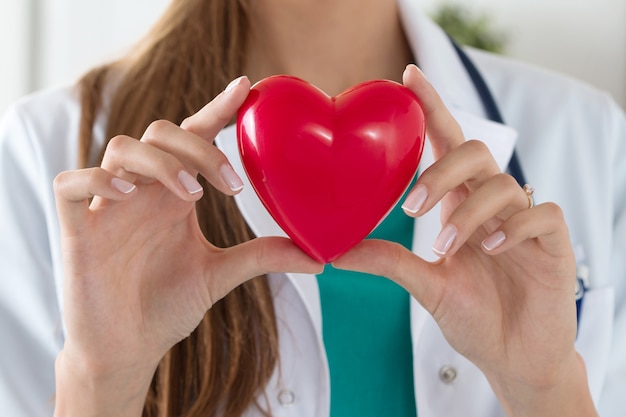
{"x":184,"y":61}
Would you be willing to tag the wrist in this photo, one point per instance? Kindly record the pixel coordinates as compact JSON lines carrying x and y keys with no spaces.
{"x":566,"y":392}
{"x":87,"y":389}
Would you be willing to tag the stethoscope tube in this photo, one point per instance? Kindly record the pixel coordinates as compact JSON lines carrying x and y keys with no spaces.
{"x":491,"y":108}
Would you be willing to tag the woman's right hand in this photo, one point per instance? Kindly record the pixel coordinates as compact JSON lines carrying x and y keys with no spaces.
{"x":139,"y":275}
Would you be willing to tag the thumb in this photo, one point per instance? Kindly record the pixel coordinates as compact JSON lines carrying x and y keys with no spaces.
{"x":394,"y":261}
{"x":256,"y":257}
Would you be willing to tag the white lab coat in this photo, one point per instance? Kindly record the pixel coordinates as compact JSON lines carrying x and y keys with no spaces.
{"x":571,"y":142}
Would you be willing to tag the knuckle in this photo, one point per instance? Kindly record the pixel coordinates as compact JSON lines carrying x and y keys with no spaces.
{"x":95,"y":176}
{"x":157,"y":129}
{"x":479,"y":151}
{"x":477,"y":148}
{"x":506,"y":183}
{"x":553,"y":210}
{"x":509,"y":181}
{"x":117,"y":144}
{"x":70,"y":184}
{"x":60,"y":181}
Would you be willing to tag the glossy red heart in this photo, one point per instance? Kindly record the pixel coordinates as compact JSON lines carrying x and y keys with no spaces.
{"x":329,"y":169}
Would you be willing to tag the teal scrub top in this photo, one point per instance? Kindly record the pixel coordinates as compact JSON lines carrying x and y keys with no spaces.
{"x":367,"y":335}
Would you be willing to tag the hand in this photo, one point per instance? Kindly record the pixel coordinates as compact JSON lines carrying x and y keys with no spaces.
{"x":139,"y":274}
{"x":503,"y":290}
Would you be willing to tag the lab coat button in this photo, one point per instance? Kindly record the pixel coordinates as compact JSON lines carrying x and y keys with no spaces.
{"x":286,"y":398}
{"x":447,"y":374}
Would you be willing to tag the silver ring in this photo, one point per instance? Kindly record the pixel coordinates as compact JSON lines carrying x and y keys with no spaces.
{"x":529,"y":190}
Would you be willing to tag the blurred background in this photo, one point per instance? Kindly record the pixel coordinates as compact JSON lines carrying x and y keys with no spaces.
{"x":46,"y":43}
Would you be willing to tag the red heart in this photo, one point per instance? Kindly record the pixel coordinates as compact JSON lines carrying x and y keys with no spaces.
{"x":329,"y":169}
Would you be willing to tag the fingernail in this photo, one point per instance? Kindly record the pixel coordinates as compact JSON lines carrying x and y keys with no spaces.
{"x":416,"y":199}
{"x":419,"y":70}
{"x":234,"y":83}
{"x":189,"y":182}
{"x":123,"y":186}
{"x":411,"y":65}
{"x":231,"y":178}
{"x":494,"y":240}
{"x":445,"y":240}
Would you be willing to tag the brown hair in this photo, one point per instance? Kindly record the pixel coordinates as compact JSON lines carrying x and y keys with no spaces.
{"x":186,"y":59}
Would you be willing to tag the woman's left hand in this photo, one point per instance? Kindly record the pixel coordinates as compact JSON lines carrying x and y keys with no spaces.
{"x":503,"y":289}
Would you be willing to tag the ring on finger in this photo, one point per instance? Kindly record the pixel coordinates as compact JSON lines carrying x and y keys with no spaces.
{"x":529,"y":190}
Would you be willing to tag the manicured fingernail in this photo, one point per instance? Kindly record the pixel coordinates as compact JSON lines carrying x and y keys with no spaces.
{"x":231,"y":178}
{"x":419,"y":70}
{"x":494,"y":240}
{"x":189,"y":182}
{"x":416,"y":199}
{"x":445,"y":240}
{"x":123,"y":186}
{"x":414,"y":66}
{"x":234,"y":83}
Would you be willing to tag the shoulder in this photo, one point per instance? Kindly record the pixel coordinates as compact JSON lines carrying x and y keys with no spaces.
{"x":507,"y":72}
{"x":539,"y":102}
{"x":46,"y":110}
{"x":519,"y":86}
{"x":42,"y":117}
{"x":40,"y":130}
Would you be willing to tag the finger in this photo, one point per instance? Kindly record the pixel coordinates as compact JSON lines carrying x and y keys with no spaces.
{"x":394,"y":261}
{"x":212,"y":118}
{"x":544,"y":222}
{"x":469,"y":164}
{"x":74,"y":189}
{"x":194,"y":152}
{"x":128,"y":158}
{"x":259,"y":256}
{"x":497,"y":199}
{"x":442,"y":129}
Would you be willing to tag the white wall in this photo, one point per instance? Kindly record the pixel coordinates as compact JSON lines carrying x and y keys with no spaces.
{"x":75,"y":34}
{"x":48,"y":42}
{"x":15,"y":75}
{"x":583,"y":38}
{"x":44,"y":43}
